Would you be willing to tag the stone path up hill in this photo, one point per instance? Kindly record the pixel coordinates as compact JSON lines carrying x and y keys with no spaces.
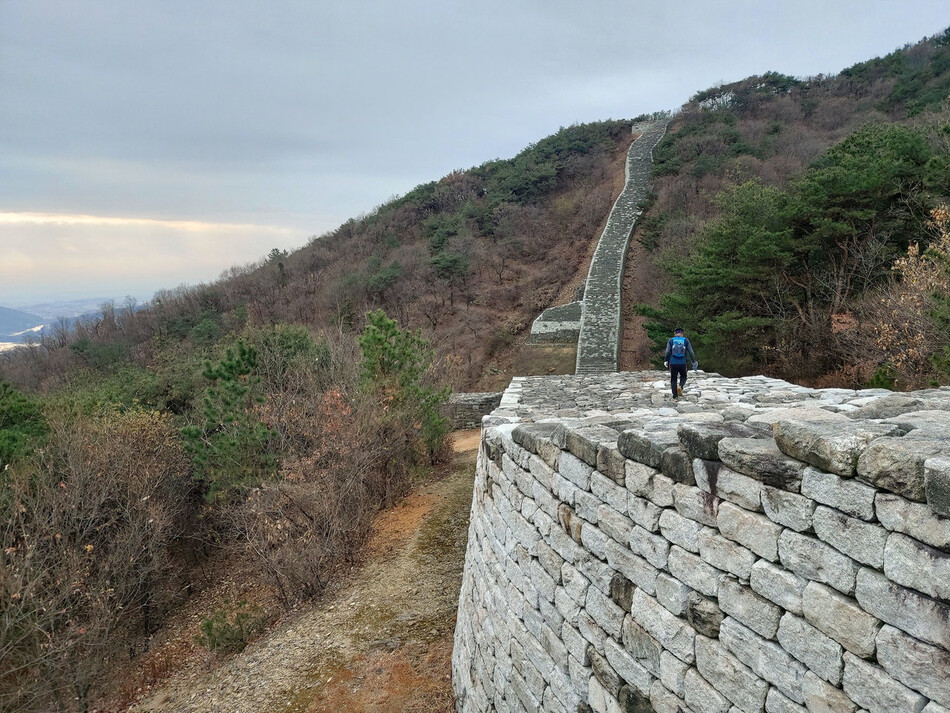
{"x":598,"y":345}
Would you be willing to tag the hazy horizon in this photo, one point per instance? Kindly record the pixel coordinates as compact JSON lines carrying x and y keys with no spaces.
{"x":152,"y":145}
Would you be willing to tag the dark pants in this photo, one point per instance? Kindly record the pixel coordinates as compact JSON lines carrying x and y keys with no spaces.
{"x":674,"y":370}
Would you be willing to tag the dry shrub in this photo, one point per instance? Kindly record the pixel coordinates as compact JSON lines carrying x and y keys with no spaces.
{"x":301,"y":527}
{"x":907,"y":337}
{"x":85,"y":533}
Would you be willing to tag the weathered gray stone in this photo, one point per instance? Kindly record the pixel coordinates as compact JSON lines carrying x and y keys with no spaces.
{"x":778,"y":585}
{"x":604,"y":672}
{"x":646,"y":447}
{"x":694,"y":572}
{"x":761,"y":459}
{"x":841,"y":618}
{"x":859,"y":540}
{"x":701,"y":440}
{"x":917,"y":665}
{"x":654,"y":548}
{"x":921,"y":421}
{"x":818,"y":652}
{"x":677,"y":465}
{"x":702,"y":697}
{"x":766,"y":658}
{"x":775,"y":702}
{"x":915,"y":519}
{"x":937,"y":485}
{"x":731,"y":678}
{"x":665,"y":701}
{"x":750,"y":529}
{"x":646,"y":482}
{"x":629,"y":669}
{"x":693,"y":503}
{"x":933,"y":707}
{"x":605,"y":612}
{"x":918,"y":615}
{"x":918,"y":566}
{"x":530,"y":436}
{"x":772,"y":416}
{"x":621,"y":591}
{"x":725,"y":554}
{"x":673,"y":673}
{"x":610,"y":462}
{"x":871,"y":687}
{"x":843,"y":494}
{"x":680,"y":530}
{"x":748,"y":608}
{"x":585,"y":441}
{"x":644,"y":649}
{"x":673,"y":633}
{"x":719,"y":481}
{"x":608,"y":492}
{"x":888,"y":406}
{"x":703,"y":614}
{"x":614,"y":524}
{"x":897,"y":464}
{"x":575,"y":470}
{"x":632,"y":700}
{"x":644,"y":513}
{"x":789,"y":509}
{"x":812,"y":559}
{"x":822,"y":697}
{"x":672,"y":593}
{"x":832,"y":446}
{"x":632,"y":566}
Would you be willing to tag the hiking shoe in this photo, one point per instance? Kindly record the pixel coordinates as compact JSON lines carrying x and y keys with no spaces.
{"x":679,"y":390}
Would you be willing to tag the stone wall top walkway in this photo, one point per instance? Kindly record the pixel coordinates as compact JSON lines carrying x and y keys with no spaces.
{"x":598,"y":347}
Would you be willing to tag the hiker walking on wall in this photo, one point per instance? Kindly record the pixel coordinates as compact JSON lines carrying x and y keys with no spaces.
{"x":679,"y":352}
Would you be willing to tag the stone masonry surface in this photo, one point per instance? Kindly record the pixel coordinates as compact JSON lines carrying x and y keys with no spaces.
{"x":466,"y":410}
{"x":753,"y":546}
{"x":598,"y":345}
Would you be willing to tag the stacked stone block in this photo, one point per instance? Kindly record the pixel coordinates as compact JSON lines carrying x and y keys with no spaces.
{"x":466,"y":410}
{"x":754,"y":547}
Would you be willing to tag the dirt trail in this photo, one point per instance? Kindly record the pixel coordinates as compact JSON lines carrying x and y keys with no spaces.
{"x":383,"y":642}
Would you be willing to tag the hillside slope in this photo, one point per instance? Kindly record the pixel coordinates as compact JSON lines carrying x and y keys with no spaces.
{"x":839,"y":175}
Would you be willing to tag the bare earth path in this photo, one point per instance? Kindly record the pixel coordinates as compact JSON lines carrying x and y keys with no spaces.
{"x":383,"y":642}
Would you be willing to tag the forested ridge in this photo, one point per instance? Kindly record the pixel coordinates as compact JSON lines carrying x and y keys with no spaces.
{"x":796,"y":228}
{"x":259,"y":422}
{"x":799,"y":227}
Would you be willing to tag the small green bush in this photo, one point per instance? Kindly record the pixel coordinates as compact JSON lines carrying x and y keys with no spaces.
{"x":230,"y":628}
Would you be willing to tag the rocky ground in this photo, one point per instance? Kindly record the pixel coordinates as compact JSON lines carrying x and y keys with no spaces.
{"x":381,"y":642}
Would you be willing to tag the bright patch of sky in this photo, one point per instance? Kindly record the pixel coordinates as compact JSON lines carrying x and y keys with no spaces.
{"x":149,"y":144}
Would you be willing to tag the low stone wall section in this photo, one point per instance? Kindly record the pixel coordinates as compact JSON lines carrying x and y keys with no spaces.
{"x":598,"y":348}
{"x":754,"y":546}
{"x":467,"y":410}
{"x":557,"y":325}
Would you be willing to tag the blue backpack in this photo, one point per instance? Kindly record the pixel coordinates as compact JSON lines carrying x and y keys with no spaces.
{"x":678,"y":348}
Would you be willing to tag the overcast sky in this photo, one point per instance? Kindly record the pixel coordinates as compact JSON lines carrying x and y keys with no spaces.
{"x":149,"y":143}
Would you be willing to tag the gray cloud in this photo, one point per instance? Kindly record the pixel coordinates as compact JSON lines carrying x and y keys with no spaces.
{"x":295,"y":115}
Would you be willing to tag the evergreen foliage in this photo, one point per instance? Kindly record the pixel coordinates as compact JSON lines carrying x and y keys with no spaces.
{"x":394,"y":364}
{"x":232,"y":448}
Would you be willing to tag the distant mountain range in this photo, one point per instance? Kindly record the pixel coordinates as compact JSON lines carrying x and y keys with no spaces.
{"x":18,"y":324}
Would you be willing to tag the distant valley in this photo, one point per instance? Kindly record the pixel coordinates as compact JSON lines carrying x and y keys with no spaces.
{"x":32,"y":320}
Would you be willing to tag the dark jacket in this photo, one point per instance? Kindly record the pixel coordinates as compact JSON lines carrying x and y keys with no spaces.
{"x":688,"y":358}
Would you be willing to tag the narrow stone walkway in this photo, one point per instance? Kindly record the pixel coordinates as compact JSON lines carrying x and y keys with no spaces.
{"x":598,"y":347}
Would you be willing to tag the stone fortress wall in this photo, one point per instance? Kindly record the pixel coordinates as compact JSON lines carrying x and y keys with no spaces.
{"x":598,"y":343}
{"x":592,"y":321}
{"x":753,"y":546}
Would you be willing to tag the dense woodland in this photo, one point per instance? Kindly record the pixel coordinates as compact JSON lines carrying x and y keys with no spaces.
{"x":797,"y":221}
{"x":799,"y":229}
